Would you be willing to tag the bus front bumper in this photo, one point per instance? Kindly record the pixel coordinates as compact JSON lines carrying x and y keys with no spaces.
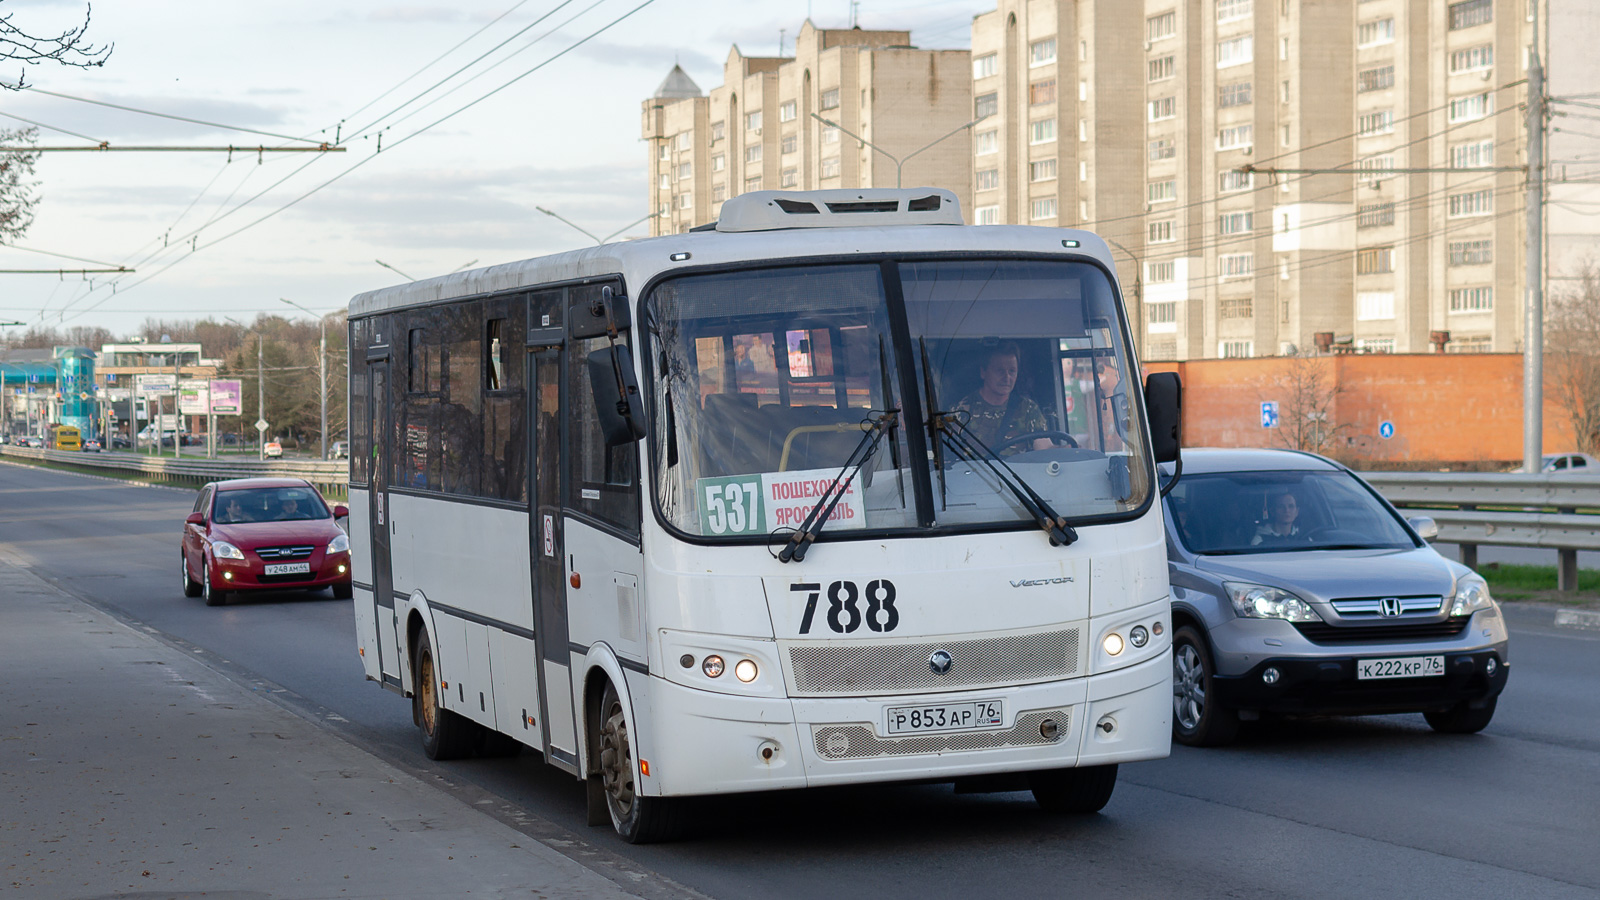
{"x":720,"y":743}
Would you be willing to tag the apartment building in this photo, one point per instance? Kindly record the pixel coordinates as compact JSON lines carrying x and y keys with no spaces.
{"x":763,"y":128}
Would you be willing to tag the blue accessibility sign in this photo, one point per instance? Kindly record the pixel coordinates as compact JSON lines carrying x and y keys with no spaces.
{"x":1269,"y":414}
{"x":1386,"y":430}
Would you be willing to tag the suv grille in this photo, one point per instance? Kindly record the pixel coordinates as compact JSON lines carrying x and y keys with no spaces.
{"x":1323,"y":633}
{"x":1361,"y":607}
{"x":276,"y":554}
{"x":827,"y":669}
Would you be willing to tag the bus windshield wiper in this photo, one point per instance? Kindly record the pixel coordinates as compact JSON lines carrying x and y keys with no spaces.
{"x":952,"y":427}
{"x":875,"y":427}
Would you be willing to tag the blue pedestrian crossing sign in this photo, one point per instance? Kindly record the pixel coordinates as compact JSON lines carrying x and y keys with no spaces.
{"x":1386,"y":430}
{"x":1269,"y":414}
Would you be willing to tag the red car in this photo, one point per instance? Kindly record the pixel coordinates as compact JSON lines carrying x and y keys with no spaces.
{"x":255,"y":534}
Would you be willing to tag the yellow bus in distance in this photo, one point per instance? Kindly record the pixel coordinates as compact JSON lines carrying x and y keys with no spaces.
{"x":65,"y":437}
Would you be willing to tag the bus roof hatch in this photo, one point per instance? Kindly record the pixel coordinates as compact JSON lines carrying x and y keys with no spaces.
{"x":774,"y":210}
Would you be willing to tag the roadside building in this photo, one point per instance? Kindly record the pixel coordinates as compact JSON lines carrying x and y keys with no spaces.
{"x":761,"y":129}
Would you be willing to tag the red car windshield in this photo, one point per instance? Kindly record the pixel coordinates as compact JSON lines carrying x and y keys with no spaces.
{"x":279,"y":504}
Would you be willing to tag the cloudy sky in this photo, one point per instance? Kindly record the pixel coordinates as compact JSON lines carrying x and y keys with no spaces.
{"x":210,"y":235}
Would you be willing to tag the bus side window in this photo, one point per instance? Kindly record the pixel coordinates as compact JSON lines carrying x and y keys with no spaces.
{"x":603,"y":480}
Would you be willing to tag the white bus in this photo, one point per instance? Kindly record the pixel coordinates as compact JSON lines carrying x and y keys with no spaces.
{"x":839,"y":490}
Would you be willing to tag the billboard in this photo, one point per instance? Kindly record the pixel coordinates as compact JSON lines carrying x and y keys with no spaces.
{"x":225,"y":398}
{"x":156,"y":385}
{"x":194,"y":398}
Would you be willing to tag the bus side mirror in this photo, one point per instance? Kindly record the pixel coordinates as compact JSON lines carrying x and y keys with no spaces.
{"x":1163,"y":400}
{"x":617,"y":402}
{"x":595,"y":318}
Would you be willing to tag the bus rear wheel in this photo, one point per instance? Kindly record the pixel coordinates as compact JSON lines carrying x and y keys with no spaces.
{"x":1085,"y":790}
{"x":445,"y":735}
{"x":638,"y":819}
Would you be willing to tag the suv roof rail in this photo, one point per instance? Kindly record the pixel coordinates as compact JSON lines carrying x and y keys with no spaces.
{"x":774,"y":210}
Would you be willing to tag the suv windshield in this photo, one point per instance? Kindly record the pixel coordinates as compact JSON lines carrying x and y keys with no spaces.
{"x":280,"y":504}
{"x":765,"y":380}
{"x":1266,"y":512}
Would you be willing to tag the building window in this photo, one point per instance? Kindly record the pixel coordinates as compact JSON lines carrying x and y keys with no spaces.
{"x":1042,"y":92}
{"x":1469,"y":108}
{"x":1374,"y":260}
{"x":752,"y":153}
{"x":685,"y":140}
{"x":1163,"y":68}
{"x":987,"y":215}
{"x":1042,"y":131}
{"x":1374,"y":305}
{"x":788,"y":112}
{"x":1472,"y":155}
{"x":1235,"y":308}
{"x":719,"y":162}
{"x":1236,"y":265}
{"x":1164,"y":25}
{"x":1038,"y":170}
{"x":1161,"y":232}
{"x":1236,"y":94}
{"x":1235,"y":51}
{"x":718,"y":131}
{"x":1042,"y":52}
{"x":685,"y":201}
{"x":1471,"y":253}
{"x":1378,"y":79}
{"x":1375,"y":345}
{"x":829,"y":99}
{"x":1375,"y":123}
{"x":789,"y":177}
{"x":1235,"y":349}
{"x":1161,"y":272}
{"x":1382,"y":164}
{"x":790,"y":143}
{"x":1375,"y":215}
{"x":752,"y":183}
{"x":1472,"y":59}
{"x":685,"y":170}
{"x":664,"y":151}
{"x":1478,"y":343}
{"x":1163,"y":313}
{"x":985,"y":65}
{"x":988,"y":179}
{"x":1228,"y":10}
{"x":1044,"y":208}
{"x":1162,"y":191}
{"x":1235,"y":137}
{"x":752,"y":121}
{"x":830,"y":167}
{"x":1378,"y":31}
{"x":1473,"y":299}
{"x":1470,"y":12}
{"x":1163,"y":148}
{"x":665,"y":181}
{"x":719,"y":193}
{"x":830,"y":134}
{"x":1163,"y":108}
{"x":985,"y":105}
{"x":1475,"y":203}
{"x":986,"y":142}
{"x":1236,"y":223}
{"x":1235,"y":181}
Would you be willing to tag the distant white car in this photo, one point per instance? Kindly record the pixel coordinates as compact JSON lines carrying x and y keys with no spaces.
{"x":339,"y":450}
{"x":273,"y":450}
{"x":1571,"y":463}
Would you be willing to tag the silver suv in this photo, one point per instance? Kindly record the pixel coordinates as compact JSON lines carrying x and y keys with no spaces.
{"x":1297,"y":589}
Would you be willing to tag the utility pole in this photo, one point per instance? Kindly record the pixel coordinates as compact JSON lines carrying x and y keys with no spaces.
{"x":261,"y":398}
{"x":1533,"y":312}
{"x":322,"y":367}
{"x":177,"y":405}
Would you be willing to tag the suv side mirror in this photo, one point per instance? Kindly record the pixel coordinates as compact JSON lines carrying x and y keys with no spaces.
{"x":1425,"y":527}
{"x":616,"y":395}
{"x":1163,"y":400}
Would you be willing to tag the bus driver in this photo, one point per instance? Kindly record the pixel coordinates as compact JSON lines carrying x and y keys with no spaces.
{"x":997,"y":412}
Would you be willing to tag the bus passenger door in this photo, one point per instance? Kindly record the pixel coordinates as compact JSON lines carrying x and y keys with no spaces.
{"x":383,"y":613}
{"x":549,"y":572}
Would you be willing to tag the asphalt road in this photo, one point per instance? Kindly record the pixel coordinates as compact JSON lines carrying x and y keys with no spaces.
{"x":1370,"y":807}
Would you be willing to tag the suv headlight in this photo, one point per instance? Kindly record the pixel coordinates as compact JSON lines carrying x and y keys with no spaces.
{"x":1472,"y":594}
{"x":340,"y":544}
{"x":1257,"y":601}
{"x":225,"y":550}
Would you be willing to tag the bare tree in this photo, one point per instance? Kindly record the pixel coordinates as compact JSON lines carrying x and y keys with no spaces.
{"x":1306,"y":389}
{"x":68,"y":48}
{"x":1572,"y":357}
{"x":17,"y":197}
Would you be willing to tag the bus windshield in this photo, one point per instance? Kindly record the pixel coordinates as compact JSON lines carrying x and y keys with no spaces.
{"x":765,"y":380}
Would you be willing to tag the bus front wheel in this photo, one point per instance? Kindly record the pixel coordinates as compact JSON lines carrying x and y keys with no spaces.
{"x":1085,"y":790}
{"x":445,"y":735}
{"x":638,"y":819}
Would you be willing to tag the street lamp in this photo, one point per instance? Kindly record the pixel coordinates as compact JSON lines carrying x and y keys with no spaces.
{"x":591,"y":235}
{"x":899,"y":163}
{"x":322,"y":366}
{"x":1138,"y":286}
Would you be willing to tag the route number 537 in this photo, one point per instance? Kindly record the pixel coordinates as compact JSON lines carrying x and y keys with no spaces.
{"x":845,"y":615}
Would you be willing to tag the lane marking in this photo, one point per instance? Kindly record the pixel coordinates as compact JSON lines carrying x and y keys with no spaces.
{"x":1578,"y":618}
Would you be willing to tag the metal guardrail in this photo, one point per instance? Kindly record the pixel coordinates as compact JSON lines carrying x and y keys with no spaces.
{"x":331,"y":477}
{"x":1556,"y":512}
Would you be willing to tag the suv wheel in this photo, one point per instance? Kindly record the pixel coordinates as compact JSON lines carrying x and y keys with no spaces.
{"x":1197,"y":718}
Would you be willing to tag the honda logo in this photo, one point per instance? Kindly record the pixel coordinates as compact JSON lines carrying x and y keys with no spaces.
{"x":1389,"y":606}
